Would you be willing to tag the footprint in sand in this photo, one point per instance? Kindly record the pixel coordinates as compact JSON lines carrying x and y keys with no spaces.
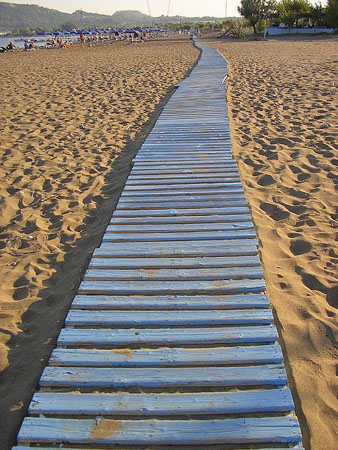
{"x":300,"y":247}
{"x":266,"y":180}
{"x":274,"y":211}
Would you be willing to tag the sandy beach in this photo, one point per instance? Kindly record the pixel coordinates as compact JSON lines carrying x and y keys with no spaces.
{"x":283,"y":104}
{"x":71,"y":121}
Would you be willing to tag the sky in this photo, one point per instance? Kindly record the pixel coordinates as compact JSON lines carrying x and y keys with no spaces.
{"x":158,"y":7}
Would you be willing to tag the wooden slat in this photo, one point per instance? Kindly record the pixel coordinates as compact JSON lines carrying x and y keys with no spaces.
{"x":198,"y":219}
{"x":196,"y":287}
{"x":297,"y":447}
{"x":239,"y":209}
{"x":167,"y":318}
{"x":235,"y":247}
{"x":175,"y":204}
{"x":182,"y":181}
{"x":168,"y":357}
{"x":148,"y":432}
{"x":192,"y":377}
{"x":186,"y":274}
{"x":167,"y":302}
{"x":183,"y":186}
{"x":167,"y":336}
{"x":139,"y":198}
{"x":174,"y":228}
{"x":177,"y":263}
{"x":179,"y":236}
{"x":186,"y":175}
{"x":274,"y":400}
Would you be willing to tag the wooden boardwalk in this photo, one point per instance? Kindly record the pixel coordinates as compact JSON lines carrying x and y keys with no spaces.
{"x":170,"y":342}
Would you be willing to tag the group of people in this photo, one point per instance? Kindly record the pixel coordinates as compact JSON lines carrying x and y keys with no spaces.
{"x":57,"y":43}
{"x":28,"y":46}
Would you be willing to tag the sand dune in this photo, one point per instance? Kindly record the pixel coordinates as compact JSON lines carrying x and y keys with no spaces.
{"x":283,"y":107}
{"x":69,"y":119}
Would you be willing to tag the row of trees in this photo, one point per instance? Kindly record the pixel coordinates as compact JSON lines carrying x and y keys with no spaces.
{"x":292,"y":13}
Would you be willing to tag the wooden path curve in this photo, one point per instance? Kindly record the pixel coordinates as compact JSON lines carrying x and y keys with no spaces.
{"x":170,"y":342}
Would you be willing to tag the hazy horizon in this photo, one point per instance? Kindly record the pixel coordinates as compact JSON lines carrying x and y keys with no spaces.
{"x":190,"y":8}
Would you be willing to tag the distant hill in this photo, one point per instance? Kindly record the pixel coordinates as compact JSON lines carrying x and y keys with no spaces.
{"x":15,"y":17}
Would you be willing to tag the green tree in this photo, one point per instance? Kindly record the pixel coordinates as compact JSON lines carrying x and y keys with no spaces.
{"x":317,"y":15}
{"x":291,"y":11}
{"x":256,"y":10}
{"x":332,"y":13}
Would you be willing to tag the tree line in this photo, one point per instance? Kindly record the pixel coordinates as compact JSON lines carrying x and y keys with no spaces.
{"x":291,"y":13}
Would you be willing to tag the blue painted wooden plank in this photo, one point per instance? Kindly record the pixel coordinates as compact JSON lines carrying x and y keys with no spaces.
{"x":187,"y":180}
{"x":139,"y":198}
{"x":174,"y":228}
{"x":161,"y":432}
{"x":153,"y":377}
{"x":141,"y":161}
{"x":184,"y":274}
{"x":174,"y":167}
{"x":167,"y":302}
{"x":213,"y":218}
{"x":181,"y":287}
{"x":191,"y":187}
{"x":168,"y":263}
{"x":297,"y":447}
{"x":238,"y":200}
{"x":271,"y":401}
{"x":163,"y":193}
{"x":132,"y":318}
{"x":241,"y":209}
{"x":168,"y":357}
{"x":187,"y":175}
{"x":166,"y":336}
{"x":179,"y":236}
{"x":238,"y":247}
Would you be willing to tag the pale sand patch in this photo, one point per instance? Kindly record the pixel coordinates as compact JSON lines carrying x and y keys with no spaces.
{"x":283,"y":103}
{"x":69,"y":119}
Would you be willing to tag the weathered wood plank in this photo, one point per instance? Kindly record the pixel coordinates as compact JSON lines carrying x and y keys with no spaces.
{"x":241,"y":208}
{"x":139,"y":198}
{"x":237,"y":200}
{"x":240,"y":247}
{"x":186,"y":175}
{"x":213,"y":218}
{"x":179,"y":236}
{"x":184,"y":228}
{"x":192,"y":187}
{"x":184,"y":181}
{"x":184,"y":274}
{"x":297,"y":447}
{"x":153,"y":377}
{"x":197,"y":287}
{"x":132,"y":318}
{"x":167,"y":302}
{"x":274,"y":400}
{"x":167,"y":336}
{"x":148,"y":432}
{"x":178,"y":263}
{"x":168,"y":357}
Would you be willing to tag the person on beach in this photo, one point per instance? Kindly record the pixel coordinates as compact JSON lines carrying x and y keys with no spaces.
{"x":26,"y":46}
{"x":31,"y":45}
{"x":11,"y":47}
{"x":82,"y":38}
